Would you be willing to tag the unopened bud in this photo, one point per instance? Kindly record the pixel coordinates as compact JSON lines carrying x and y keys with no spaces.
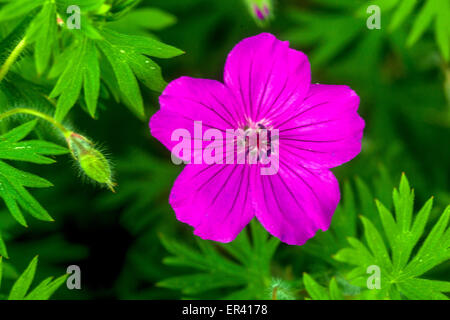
{"x":93,"y":163}
{"x":260,"y":9}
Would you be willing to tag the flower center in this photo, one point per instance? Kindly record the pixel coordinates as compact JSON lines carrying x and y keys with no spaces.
{"x":258,"y":139}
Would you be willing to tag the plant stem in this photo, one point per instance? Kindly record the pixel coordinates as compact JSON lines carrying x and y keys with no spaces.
{"x":274,"y":293}
{"x":38,"y":114}
{"x":12,"y":58}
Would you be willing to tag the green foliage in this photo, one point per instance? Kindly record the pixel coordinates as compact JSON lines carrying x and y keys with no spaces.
{"x":43,"y":33}
{"x":68,"y":67}
{"x":13,"y":181}
{"x":401,"y":270}
{"x":433,"y":13}
{"x":128,"y":57}
{"x":402,"y":264}
{"x":317,"y":292}
{"x":21,"y":288}
{"x":399,"y":72}
{"x":243,"y":265}
{"x":82,"y":68}
{"x":140,"y":20}
{"x":337,"y":31}
{"x":78,"y":56}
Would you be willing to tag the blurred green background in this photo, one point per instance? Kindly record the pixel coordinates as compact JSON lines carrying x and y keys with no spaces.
{"x":116,"y":239}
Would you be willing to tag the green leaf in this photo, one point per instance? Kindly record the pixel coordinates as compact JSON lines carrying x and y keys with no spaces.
{"x":357,"y":255}
{"x":19,"y":132}
{"x":421,"y":221}
{"x":140,"y":20}
{"x":434,"y":249}
{"x":442,"y":29}
{"x":376,"y":243}
{"x":82,"y":68}
{"x":46,"y":288}
{"x":400,"y":274}
{"x":129,"y":58}
{"x":422,"y":21}
{"x":143,"y":45}
{"x":403,"y":11}
{"x":30,"y":151}
{"x":91,"y":78}
{"x":20,"y":289}
{"x":316,"y":291}
{"x":17,"y":8}
{"x":422,"y":289}
{"x":403,"y":203}
{"x":152,"y":18}
{"x":125,"y":77}
{"x":335,"y":292}
{"x":21,"y":286}
{"x":43,"y":32}
{"x":13,"y":193}
{"x":388,"y":222}
{"x":69,"y":84}
{"x":13,"y":181}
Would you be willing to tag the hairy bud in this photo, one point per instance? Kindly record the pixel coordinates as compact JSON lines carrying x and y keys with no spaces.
{"x":93,"y":163}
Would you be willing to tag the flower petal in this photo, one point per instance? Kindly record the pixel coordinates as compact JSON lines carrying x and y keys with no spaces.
{"x":214,"y":199}
{"x":266,"y":76}
{"x":294,"y":203}
{"x":326,"y":130}
{"x":186,"y":100}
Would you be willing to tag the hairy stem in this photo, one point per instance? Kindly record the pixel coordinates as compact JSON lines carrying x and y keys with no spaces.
{"x":38,"y":114}
{"x":274,"y":293}
{"x":12,"y":58}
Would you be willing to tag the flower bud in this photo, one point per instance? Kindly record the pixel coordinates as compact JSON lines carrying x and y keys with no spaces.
{"x":93,"y":163}
{"x":260,"y":10}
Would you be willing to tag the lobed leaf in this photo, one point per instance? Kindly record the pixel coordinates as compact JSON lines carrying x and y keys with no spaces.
{"x":399,"y":273}
{"x":252,"y":269}
{"x":13,"y":181}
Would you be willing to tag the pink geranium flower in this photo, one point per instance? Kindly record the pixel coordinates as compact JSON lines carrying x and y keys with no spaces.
{"x":266,"y":84}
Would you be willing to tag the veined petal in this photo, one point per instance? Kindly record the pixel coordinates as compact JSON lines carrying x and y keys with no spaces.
{"x":267,"y":85}
{"x":294,"y":203}
{"x":266,"y":76}
{"x":214,"y":199}
{"x":186,"y":100}
{"x":326,"y":130}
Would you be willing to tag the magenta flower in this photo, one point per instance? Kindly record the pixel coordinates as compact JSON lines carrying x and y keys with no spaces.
{"x":268,"y":85}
